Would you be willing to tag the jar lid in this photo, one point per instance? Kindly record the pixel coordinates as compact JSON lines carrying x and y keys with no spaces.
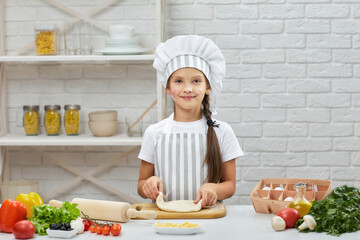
{"x":31,"y":107}
{"x":45,"y":27}
{"x":52,"y":107}
{"x":72,"y":107}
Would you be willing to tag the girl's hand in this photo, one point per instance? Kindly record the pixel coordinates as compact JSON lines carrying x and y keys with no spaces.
{"x":208,"y":195}
{"x":152,"y":187}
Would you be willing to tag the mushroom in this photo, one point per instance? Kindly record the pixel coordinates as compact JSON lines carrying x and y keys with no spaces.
{"x":309,"y":222}
{"x":278,"y":223}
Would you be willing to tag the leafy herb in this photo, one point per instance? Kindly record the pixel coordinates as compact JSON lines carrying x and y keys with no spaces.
{"x":44,"y":215}
{"x":338,"y":213}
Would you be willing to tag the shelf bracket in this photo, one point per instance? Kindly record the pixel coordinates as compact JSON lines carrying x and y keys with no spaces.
{"x":89,"y":175}
{"x":92,"y":12}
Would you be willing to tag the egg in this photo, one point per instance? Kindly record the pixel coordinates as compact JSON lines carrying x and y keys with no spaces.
{"x":278,"y":189}
{"x":266,"y":188}
{"x":289,"y":199}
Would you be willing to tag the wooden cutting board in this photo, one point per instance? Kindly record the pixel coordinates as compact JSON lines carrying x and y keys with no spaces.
{"x":216,"y":211}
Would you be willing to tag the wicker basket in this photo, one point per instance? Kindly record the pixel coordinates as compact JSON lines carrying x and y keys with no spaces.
{"x":272,"y":201}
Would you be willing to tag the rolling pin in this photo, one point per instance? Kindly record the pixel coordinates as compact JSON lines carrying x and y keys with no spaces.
{"x":107,"y":210}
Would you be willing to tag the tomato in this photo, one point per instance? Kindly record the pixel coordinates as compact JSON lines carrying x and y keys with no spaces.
{"x":92,"y":228}
{"x":115,"y":229}
{"x":106,"y":230}
{"x":290,"y":216}
{"x":24,"y":229}
{"x":98,"y":230}
{"x":87,"y":223}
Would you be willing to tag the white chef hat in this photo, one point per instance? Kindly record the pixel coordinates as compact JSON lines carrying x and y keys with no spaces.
{"x":190,"y":51}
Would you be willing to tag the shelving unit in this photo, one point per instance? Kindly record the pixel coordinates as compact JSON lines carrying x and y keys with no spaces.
{"x":7,"y":139}
{"x":76,"y":58}
{"x":63,"y":140}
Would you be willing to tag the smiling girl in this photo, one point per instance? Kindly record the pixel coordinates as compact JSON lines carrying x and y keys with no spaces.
{"x":189,"y":155}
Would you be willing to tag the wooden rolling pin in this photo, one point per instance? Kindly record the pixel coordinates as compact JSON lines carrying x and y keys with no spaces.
{"x":107,"y":210}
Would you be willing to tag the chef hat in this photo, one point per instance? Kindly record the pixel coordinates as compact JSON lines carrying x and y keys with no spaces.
{"x":190,"y":51}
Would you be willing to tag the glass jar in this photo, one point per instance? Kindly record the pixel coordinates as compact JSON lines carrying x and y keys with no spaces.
{"x":31,"y":120}
{"x":45,"y":39}
{"x":52,"y":119}
{"x":300,"y":203}
{"x":72,"y":119}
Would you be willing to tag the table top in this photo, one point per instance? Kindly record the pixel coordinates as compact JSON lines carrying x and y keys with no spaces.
{"x":240,"y":222}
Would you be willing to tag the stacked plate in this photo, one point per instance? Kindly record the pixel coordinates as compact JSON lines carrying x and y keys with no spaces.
{"x":121,"y":42}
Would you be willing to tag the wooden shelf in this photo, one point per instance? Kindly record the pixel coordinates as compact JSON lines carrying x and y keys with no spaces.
{"x":63,"y":140}
{"x":76,"y":58}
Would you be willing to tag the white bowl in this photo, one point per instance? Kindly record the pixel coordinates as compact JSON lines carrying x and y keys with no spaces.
{"x":103,"y":116}
{"x":61,"y":233}
{"x":103,"y":129}
{"x":121,"y":31}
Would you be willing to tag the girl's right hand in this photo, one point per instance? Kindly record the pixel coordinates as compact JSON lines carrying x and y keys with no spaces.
{"x":152,"y":187}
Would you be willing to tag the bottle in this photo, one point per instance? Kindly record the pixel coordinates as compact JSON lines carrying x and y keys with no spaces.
{"x":31,"y":120}
{"x":72,"y":119}
{"x":52,"y":119}
{"x":45,"y":39}
{"x":300,"y":203}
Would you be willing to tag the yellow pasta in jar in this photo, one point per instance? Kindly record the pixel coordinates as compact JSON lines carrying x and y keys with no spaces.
{"x":46,"y":43}
{"x":45,"y":38}
{"x":178,"y":225}
{"x":72,"y":121}
{"x":52,"y":119}
{"x":31,"y":122}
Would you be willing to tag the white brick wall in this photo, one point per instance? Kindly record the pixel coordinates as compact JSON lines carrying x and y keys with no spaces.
{"x":292,"y":93}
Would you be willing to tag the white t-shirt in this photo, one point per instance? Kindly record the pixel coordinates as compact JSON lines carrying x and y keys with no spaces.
{"x":229,"y":145}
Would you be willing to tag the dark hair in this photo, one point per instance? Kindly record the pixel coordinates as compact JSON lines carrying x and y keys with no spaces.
{"x":213,"y":155}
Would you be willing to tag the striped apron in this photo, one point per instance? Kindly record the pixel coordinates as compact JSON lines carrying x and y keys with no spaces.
{"x":179,"y":164}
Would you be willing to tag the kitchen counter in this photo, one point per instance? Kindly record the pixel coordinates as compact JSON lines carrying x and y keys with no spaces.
{"x":240,"y":222}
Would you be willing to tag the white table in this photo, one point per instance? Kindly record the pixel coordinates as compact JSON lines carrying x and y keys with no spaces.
{"x":240,"y":222}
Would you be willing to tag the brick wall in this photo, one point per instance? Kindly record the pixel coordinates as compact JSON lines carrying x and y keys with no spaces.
{"x":292,"y":93}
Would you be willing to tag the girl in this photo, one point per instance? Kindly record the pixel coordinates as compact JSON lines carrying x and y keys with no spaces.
{"x":189,"y":155}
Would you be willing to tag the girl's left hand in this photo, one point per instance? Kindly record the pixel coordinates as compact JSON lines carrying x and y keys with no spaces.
{"x":208,"y":195}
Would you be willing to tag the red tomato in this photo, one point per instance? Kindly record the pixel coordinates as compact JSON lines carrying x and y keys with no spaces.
{"x":11,"y":212}
{"x":290,"y":216}
{"x":24,"y":229}
{"x":92,"y":228}
{"x":106,"y":230}
{"x":87,"y":224}
{"x":98,"y":230}
{"x":115,"y":229}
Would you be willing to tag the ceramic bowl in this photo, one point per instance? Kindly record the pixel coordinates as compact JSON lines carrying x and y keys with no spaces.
{"x":103,"y":129}
{"x":103,"y":116}
{"x":61,"y":234}
{"x":121,"y":31}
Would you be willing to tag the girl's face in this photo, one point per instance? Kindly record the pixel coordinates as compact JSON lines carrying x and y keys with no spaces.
{"x":188,"y":86}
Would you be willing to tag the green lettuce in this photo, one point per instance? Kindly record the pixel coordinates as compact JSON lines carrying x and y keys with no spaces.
{"x":44,"y":215}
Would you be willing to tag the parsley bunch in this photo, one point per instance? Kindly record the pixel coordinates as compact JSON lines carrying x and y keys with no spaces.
{"x":338,"y":213}
{"x":44,"y":215}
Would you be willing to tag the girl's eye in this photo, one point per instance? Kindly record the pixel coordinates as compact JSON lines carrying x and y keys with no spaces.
{"x":178,"y":81}
{"x":197,"y":81}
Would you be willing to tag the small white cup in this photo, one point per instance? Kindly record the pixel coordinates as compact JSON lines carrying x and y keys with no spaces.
{"x":121,"y":31}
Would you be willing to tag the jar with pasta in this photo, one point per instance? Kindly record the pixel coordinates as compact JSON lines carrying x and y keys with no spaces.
{"x":52,"y":119}
{"x":31,"y":120}
{"x":72,"y":119}
{"x":45,"y":39}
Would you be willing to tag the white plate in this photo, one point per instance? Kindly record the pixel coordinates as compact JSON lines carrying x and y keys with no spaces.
{"x":176,"y":230}
{"x":61,"y":233}
{"x":122,"y":51}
